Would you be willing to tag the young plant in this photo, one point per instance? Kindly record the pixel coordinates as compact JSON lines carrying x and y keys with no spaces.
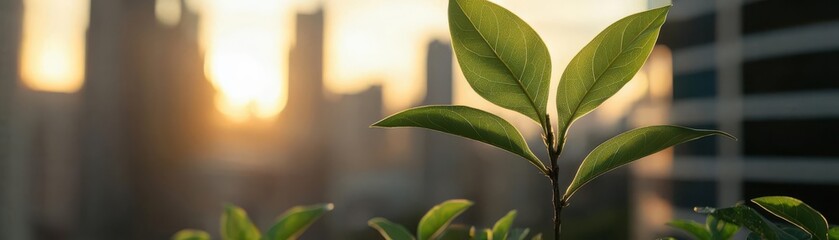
{"x":235,"y":225}
{"x":505,"y":62}
{"x":435,"y":225}
{"x":804,"y":222}
{"x":713,"y":229}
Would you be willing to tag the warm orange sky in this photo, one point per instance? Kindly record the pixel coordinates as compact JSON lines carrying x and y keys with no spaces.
{"x":368,"y":42}
{"x":375,"y":42}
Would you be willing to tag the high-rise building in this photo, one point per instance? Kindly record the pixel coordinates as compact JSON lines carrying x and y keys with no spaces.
{"x":166,"y":104}
{"x":769,"y":80}
{"x":114,"y":160}
{"x":303,"y":121}
{"x":358,"y":177}
{"x":40,"y":154}
{"x":305,"y":108}
{"x":10,"y":191}
{"x":104,"y":140}
{"x":442,"y":155}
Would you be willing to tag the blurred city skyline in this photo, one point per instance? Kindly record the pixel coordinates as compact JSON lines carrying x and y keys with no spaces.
{"x":181,"y":108}
{"x":129,"y":119}
{"x":367,"y":43}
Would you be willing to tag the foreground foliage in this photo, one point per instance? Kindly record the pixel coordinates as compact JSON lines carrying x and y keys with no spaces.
{"x":802,"y":221}
{"x":235,"y":225}
{"x":435,"y":225}
{"x":507,"y":63}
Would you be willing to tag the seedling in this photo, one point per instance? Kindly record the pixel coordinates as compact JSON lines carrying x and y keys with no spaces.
{"x":235,"y":225}
{"x":435,"y":225}
{"x":507,"y":63}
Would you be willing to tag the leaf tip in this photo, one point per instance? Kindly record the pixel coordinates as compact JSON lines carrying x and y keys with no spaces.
{"x":664,"y":7}
{"x":329,"y":206}
{"x":728,"y":135}
{"x":373,"y":221}
{"x":377,"y":124}
{"x":464,"y":201}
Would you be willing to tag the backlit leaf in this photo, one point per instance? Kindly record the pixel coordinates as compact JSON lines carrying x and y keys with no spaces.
{"x":630,"y":146}
{"x":502,"y":57}
{"x":295,"y":221}
{"x":466,"y":122}
{"x":518,"y":234}
{"x":235,"y":225}
{"x":483,"y":234}
{"x":191,"y":234}
{"x":435,"y":221}
{"x":747,"y":217}
{"x":502,"y":226}
{"x":796,"y":212}
{"x":694,"y":228}
{"x":456,"y":232}
{"x":796,"y":232}
{"x":389,"y":230}
{"x":603,"y":66}
{"x":720,"y":229}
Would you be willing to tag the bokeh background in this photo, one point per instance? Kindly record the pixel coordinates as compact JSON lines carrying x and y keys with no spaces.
{"x":132,"y":119}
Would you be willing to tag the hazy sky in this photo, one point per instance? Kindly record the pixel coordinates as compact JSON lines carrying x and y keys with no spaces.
{"x":373,"y":41}
{"x":368,"y":42}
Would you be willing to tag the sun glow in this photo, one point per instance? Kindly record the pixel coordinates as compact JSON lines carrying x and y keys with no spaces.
{"x":53,"y":44}
{"x":246,"y":44}
{"x":367,"y":42}
{"x":372,"y":42}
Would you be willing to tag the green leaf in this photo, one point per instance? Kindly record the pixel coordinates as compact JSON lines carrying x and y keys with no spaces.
{"x":502,"y":57}
{"x":603,"y":66}
{"x":191,"y":234}
{"x":439,"y":217}
{"x":235,"y":225}
{"x":518,"y":234}
{"x":295,"y":221}
{"x":484,"y":234}
{"x":389,"y":230}
{"x":694,"y":228}
{"x":537,"y":237}
{"x":456,"y":232}
{"x":466,"y":122}
{"x":720,"y":229}
{"x":747,"y":217}
{"x":630,"y":146}
{"x":796,"y":212}
{"x":792,"y":231}
{"x":502,"y":226}
{"x":833,"y":234}
{"x":796,"y":232}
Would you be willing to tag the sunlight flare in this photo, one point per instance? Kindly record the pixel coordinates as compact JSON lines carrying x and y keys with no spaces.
{"x":246,"y":46}
{"x":53,"y":44}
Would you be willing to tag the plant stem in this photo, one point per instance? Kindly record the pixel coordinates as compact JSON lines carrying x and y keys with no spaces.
{"x":557,"y":202}
{"x":554,"y":152}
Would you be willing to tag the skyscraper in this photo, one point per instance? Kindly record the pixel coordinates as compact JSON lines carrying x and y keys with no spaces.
{"x":144,"y":110}
{"x":10,"y":225}
{"x":442,"y":155}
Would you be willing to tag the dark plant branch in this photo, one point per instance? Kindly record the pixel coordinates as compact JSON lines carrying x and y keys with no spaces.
{"x":553,"y":174}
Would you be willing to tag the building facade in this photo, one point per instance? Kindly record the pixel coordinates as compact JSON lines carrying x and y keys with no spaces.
{"x":764,"y":71}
